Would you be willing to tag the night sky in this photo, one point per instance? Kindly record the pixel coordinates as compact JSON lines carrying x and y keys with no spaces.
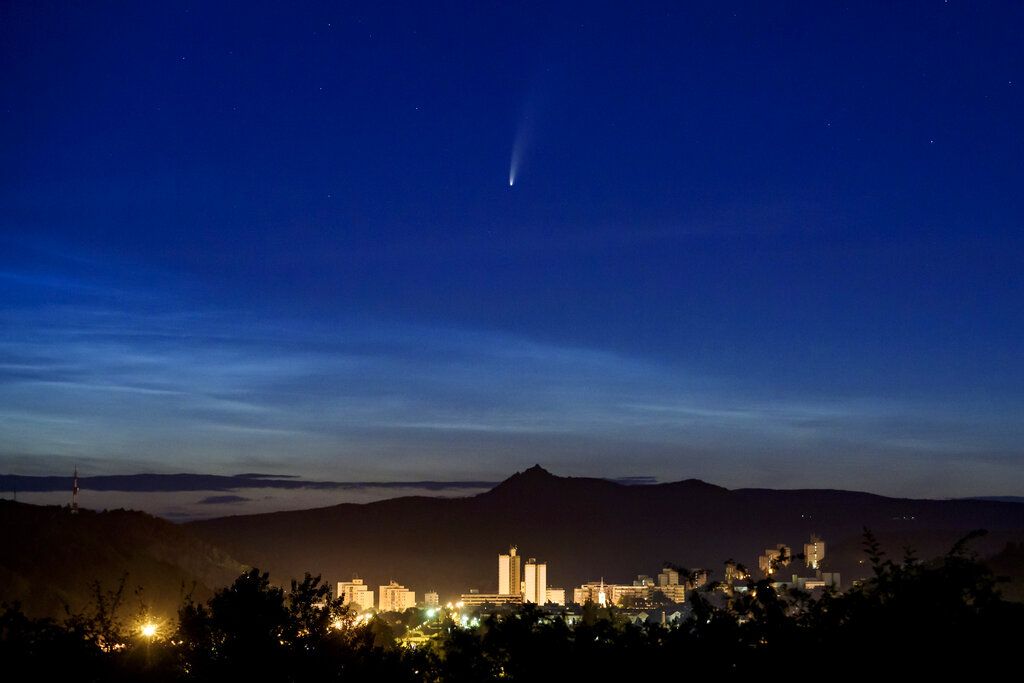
{"x":766,"y":244}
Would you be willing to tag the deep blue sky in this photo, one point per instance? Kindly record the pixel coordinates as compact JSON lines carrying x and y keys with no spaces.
{"x":765,"y":244}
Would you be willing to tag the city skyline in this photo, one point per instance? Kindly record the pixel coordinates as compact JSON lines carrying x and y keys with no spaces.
{"x":667,"y":587}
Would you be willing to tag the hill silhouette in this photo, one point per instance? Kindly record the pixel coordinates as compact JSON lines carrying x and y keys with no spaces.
{"x":589,"y":528}
{"x":50,"y":557}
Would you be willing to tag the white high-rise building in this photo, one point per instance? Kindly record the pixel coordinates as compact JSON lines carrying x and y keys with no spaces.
{"x":535,"y":582}
{"x":509,"y":582}
{"x":814,"y":552}
{"x":355,"y":594}
{"x":395,"y":598}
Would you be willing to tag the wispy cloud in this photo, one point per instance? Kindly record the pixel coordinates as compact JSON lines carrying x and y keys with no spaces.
{"x":166,"y":386}
{"x":167,"y":483}
{"x":222,"y":500}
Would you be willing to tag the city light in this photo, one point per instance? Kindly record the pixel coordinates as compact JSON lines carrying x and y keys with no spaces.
{"x":148,"y":630}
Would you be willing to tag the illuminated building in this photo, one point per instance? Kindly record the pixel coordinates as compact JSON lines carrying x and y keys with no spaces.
{"x":509,"y":581}
{"x":814,"y":552}
{"x":773,"y":558}
{"x":478,"y":599}
{"x":670,"y":586}
{"x":735,"y":572}
{"x":668,"y":577}
{"x":356,"y":594}
{"x":395,"y":598}
{"x":820,"y":580}
{"x":601,"y":593}
{"x":675,"y":593}
{"x":431,"y":599}
{"x":616,"y":593}
{"x":831,"y":579}
{"x":698,"y":578}
{"x":556,"y":596}
{"x":585,"y":593}
{"x":535,"y":582}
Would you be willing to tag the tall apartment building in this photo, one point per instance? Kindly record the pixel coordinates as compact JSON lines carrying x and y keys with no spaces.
{"x":509,"y":581}
{"x":535,"y":582}
{"x":395,"y":598}
{"x":814,"y":552}
{"x":774,"y":558}
{"x":735,"y":572}
{"x":643,"y":580}
{"x":670,"y":586}
{"x":356,"y":594}
{"x":697,"y":578}
{"x":668,"y":577}
{"x":431,"y":599}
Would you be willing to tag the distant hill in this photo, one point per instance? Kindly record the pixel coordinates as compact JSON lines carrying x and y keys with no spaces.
{"x":587,"y":529}
{"x":1002,"y":499}
{"x":49,"y":558}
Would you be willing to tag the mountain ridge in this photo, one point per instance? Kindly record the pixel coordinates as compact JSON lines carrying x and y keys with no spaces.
{"x":51,"y":557}
{"x":587,"y":527}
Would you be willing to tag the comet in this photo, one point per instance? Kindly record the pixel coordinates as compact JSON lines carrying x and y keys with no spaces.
{"x":524,"y":134}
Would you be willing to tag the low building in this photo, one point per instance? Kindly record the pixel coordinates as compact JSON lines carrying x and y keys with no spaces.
{"x":604,"y":594}
{"x":676,"y":593}
{"x":556,"y":596}
{"x":831,"y":579}
{"x":479,"y":599}
{"x":590,"y":592}
{"x":810,"y":583}
{"x":619,"y":593}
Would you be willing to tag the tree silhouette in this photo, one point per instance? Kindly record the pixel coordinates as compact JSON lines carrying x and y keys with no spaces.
{"x":911,"y":618}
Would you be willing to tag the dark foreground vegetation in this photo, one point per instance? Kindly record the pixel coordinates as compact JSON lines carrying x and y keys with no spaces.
{"x":911,"y":618}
